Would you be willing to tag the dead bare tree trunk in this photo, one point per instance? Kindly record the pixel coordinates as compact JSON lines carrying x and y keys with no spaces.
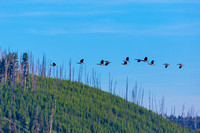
{"x":134,"y":92}
{"x":32,"y":71}
{"x":70,"y":70}
{"x":81,"y":74}
{"x":85,"y":76}
{"x":100,"y":82}
{"x":114,"y":91}
{"x":36,"y":73}
{"x":88,"y":81}
{"x":195,"y":122}
{"x":182,"y":115}
{"x":44,"y":66}
{"x":149,"y":101}
{"x":162,"y":106}
{"x":139,"y":95}
{"x":57,"y":73}
{"x":156,"y":107}
{"x":61,"y":74}
{"x":142,"y":98}
{"x":152,"y":106}
{"x":174,"y":111}
{"x":93,"y":78}
{"x":21,"y":72}
{"x":6,"y":70}
{"x":13,"y":79}
{"x":73,"y":72}
{"x":32,"y":77}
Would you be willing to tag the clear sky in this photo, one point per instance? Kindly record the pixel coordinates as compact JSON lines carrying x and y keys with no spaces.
{"x":163,"y":30}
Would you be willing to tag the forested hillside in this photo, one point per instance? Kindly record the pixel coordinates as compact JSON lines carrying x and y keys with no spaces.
{"x":191,"y":122}
{"x":38,"y":103}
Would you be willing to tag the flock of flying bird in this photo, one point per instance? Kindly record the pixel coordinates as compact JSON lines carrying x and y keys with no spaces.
{"x":125,"y":62}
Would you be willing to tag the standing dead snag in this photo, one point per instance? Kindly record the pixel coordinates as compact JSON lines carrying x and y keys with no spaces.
{"x":183,"y":115}
{"x":32,"y":74}
{"x":70,"y":70}
{"x":61,"y":75}
{"x":85,"y":76}
{"x":114,"y":90}
{"x":44,"y":66}
{"x":80,"y":74}
{"x":49,"y":82}
{"x":134,"y":93}
{"x":142,"y":97}
{"x":149,"y":100}
{"x":6,"y":70}
{"x":73,"y":71}
{"x":162,"y":105}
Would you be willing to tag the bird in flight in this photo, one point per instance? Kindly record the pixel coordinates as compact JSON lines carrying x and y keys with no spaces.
{"x":107,"y":62}
{"x":152,"y":63}
{"x":127,"y":59}
{"x":125,"y":63}
{"x":54,"y":64}
{"x":81,"y":61}
{"x":180,"y":65}
{"x":166,"y":65}
{"x":139,"y":60}
{"x":145,"y":59}
{"x":101,"y":63}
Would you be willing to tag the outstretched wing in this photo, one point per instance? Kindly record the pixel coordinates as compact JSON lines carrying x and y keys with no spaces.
{"x":145,"y":59}
{"x":81,"y":61}
{"x":107,"y":62}
{"x":54,"y":64}
{"x":127,"y":58}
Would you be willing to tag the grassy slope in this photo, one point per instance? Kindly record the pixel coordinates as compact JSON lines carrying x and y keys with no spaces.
{"x":78,"y":108}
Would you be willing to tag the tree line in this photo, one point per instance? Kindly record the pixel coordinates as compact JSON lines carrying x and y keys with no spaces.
{"x":32,"y":99}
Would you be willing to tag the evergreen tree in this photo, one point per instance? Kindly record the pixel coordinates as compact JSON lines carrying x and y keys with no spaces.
{"x":2,"y":69}
{"x":25,"y":67}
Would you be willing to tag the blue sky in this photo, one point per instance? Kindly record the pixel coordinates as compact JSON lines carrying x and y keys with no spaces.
{"x":163,"y":30}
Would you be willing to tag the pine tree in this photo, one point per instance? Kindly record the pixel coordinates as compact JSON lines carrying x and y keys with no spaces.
{"x":25,"y":67}
{"x":2,"y":69}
